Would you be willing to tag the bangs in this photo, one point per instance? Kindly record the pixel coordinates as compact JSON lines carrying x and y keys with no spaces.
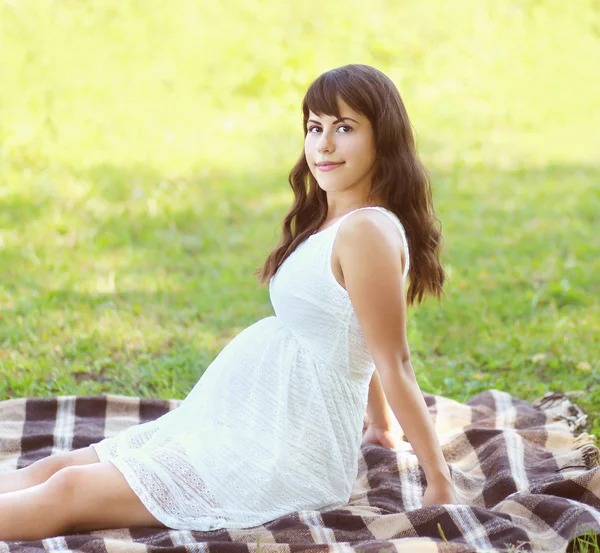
{"x":322,"y":96}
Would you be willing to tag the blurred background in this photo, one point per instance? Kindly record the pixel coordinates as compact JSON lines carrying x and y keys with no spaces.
{"x":144,"y":155}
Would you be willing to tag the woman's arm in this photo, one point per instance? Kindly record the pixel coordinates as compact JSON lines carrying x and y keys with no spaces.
{"x":369,"y":249}
{"x":379,"y":412}
{"x":410,"y":409}
{"x":421,"y":432}
{"x":411,"y":412}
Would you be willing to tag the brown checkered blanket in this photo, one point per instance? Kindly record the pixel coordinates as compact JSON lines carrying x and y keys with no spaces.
{"x":523,"y":477}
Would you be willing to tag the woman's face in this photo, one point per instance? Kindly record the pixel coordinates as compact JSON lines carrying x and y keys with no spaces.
{"x":348,"y":142}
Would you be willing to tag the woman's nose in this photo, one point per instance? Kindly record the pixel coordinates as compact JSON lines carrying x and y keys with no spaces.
{"x":325,"y":144}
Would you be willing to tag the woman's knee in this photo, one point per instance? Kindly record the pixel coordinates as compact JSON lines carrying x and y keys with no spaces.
{"x":97,"y":497}
{"x":61,"y":492}
{"x":63,"y":488}
{"x":44,"y":468}
{"x":64,"y":483}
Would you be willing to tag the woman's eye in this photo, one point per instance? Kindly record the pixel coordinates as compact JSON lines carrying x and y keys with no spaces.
{"x":310,"y":129}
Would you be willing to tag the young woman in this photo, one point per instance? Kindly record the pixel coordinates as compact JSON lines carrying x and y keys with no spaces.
{"x":275,"y":423}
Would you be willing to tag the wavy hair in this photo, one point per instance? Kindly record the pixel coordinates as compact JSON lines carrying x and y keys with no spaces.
{"x":399,"y":178}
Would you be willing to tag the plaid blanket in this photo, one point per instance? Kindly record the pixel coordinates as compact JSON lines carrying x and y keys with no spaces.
{"x":524,"y":477}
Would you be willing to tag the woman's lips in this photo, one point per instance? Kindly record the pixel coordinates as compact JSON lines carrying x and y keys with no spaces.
{"x":329,"y":167}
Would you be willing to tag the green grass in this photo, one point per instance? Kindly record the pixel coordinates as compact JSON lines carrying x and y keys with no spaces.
{"x":587,"y":542}
{"x":143,"y":177}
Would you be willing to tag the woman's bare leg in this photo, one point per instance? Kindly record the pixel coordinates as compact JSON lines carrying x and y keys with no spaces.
{"x":39,"y":471}
{"x":75,"y":499}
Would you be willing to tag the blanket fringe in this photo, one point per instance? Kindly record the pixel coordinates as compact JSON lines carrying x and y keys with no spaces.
{"x":590,"y":455}
{"x":586,"y":444}
{"x":558,"y":406}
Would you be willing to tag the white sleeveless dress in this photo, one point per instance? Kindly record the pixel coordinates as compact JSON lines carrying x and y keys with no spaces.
{"x":274,"y":425}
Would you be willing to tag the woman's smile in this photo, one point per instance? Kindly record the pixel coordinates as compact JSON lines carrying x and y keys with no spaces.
{"x":329,"y":167}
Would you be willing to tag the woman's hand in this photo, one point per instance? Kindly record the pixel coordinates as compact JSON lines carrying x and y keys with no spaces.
{"x":439,"y":493}
{"x":384,"y":436}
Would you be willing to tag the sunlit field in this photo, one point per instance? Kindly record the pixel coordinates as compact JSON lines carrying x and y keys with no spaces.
{"x":145,"y":149}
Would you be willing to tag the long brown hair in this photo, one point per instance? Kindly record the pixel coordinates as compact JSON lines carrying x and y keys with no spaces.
{"x":399,"y":179}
